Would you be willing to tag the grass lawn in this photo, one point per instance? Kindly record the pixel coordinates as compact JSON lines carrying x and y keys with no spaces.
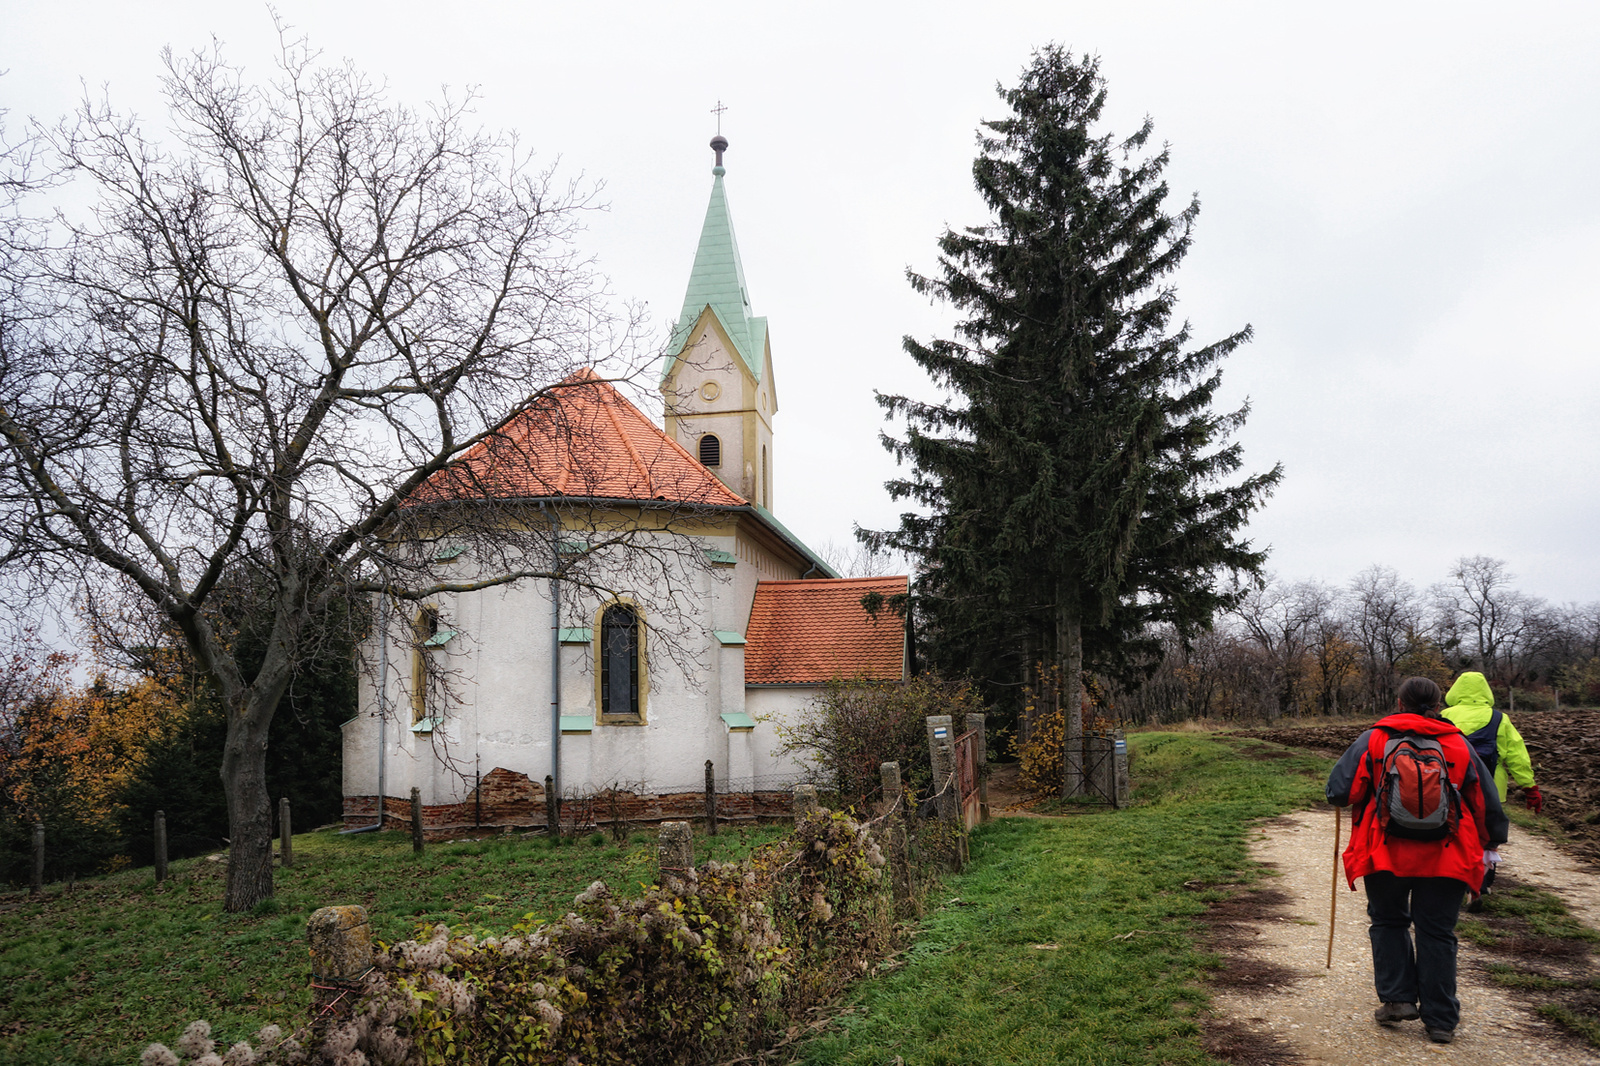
{"x":1072,"y":940}
{"x":94,"y":976}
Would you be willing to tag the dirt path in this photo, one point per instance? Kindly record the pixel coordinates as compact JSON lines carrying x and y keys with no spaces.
{"x":1326,"y":1015}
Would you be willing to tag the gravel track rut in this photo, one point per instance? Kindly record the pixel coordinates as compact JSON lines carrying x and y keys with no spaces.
{"x":1326,"y":1015}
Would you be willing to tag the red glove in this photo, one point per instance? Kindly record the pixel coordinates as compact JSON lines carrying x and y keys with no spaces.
{"x":1533,"y":798}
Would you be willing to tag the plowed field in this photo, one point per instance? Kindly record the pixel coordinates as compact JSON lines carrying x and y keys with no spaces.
{"x":1565,"y":746}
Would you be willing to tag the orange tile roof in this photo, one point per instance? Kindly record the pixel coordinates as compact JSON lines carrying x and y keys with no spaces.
{"x":809,"y":632}
{"x":582,"y":439}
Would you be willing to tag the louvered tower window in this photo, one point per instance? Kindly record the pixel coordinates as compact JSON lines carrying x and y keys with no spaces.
{"x":710,"y":450}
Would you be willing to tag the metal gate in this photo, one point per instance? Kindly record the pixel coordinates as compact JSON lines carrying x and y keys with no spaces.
{"x":1105,"y":767}
{"x":966,"y":760}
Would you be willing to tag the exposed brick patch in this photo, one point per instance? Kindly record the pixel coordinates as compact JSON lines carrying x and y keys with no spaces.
{"x":510,"y":800}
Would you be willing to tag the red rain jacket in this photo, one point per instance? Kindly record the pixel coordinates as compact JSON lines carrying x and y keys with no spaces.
{"x":1459,"y":856}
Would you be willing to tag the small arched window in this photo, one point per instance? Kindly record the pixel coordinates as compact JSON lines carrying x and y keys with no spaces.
{"x":619,"y":663}
{"x":710,"y":450}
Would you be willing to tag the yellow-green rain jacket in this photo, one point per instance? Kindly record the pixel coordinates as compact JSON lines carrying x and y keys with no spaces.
{"x":1470,"y":704}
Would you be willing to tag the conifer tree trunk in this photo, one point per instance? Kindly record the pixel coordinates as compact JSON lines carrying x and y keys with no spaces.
{"x":1069,"y":656}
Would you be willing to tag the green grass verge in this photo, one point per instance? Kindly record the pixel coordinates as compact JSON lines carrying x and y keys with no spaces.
{"x":94,"y":976}
{"x":1074,"y":940}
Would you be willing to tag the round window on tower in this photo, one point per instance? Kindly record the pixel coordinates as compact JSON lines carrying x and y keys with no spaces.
{"x":710,"y":390}
{"x":710,"y":450}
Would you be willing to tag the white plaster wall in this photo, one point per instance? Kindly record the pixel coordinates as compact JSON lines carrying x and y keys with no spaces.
{"x":773,"y":706}
{"x":499,"y":666}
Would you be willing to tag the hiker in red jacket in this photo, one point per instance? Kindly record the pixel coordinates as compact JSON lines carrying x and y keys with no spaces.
{"x":1425,"y":820}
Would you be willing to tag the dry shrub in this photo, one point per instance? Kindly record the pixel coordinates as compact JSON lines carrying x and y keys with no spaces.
{"x":857,"y":725}
{"x":718,"y":963}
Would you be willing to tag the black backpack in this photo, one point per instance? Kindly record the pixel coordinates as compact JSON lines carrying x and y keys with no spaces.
{"x":1486,"y":741}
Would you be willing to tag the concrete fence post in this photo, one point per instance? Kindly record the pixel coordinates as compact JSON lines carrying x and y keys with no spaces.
{"x":805,"y":802}
{"x":711,"y":798}
{"x":940,"y":753}
{"x":552,"y":812}
{"x":894,"y":831}
{"x":36,"y":885}
{"x":285,"y":833}
{"x":675,"y":852}
{"x":416,"y":819}
{"x":161,"y":846}
{"x":892,"y":789}
{"x":1124,"y":789}
{"x":340,"y":939}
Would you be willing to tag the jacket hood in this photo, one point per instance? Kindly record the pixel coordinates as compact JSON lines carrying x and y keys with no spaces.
{"x":1417,"y":723}
{"x":1470,"y":687}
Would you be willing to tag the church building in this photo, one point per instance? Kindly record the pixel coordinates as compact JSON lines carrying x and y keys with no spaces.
{"x":687,"y":625}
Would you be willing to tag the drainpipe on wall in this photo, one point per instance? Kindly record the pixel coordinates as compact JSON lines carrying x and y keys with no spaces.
{"x":383,"y":702}
{"x":555,"y":653}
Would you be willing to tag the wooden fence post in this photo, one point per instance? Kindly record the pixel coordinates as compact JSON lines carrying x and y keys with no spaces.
{"x":981,"y":757}
{"x":674,"y":852}
{"x":711,"y":798}
{"x":284,"y":832}
{"x":805,"y":802}
{"x":552,"y":813}
{"x":161,"y":846}
{"x":416,"y":819}
{"x":36,"y":885}
{"x":341,"y":957}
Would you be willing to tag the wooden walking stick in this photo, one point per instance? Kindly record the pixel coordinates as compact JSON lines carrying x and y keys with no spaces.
{"x":1333,"y":899}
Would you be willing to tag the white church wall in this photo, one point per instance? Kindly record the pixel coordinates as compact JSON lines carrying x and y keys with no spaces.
{"x":497,"y":667}
{"x":774,"y":706}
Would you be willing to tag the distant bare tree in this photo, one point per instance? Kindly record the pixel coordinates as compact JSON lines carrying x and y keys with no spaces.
{"x":1478,"y":610}
{"x":253,"y":349}
{"x":1384,"y":613}
{"x":1277,"y":617}
{"x":861,"y":560}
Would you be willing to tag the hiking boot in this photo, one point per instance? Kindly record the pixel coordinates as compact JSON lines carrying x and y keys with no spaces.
{"x":1476,"y":906}
{"x":1396,"y":1012}
{"x":1441,"y":1036}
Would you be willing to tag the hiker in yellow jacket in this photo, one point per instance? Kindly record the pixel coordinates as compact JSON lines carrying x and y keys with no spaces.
{"x":1470,"y":706}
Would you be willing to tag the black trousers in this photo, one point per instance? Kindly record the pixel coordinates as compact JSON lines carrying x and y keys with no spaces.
{"x":1426,"y":973}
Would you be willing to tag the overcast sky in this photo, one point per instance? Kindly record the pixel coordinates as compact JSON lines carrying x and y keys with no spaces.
{"x":1400,"y":198}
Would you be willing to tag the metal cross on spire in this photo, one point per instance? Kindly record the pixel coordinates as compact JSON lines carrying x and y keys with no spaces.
{"x":719,"y":143}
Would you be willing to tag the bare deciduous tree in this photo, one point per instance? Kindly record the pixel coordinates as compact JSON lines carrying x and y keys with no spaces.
{"x":1384,"y":615}
{"x":258,"y":343}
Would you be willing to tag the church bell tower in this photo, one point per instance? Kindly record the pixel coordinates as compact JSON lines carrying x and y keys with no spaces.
{"x":718,"y":384}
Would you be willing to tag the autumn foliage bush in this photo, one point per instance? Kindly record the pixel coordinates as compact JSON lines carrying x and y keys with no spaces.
{"x":1042,"y":754}
{"x":716,"y":963}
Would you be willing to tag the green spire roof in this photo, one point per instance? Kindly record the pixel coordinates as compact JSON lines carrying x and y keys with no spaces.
{"x":717,"y":280}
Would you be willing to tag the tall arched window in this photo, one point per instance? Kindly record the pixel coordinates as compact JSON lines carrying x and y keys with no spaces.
{"x":619,"y":664}
{"x":424,"y":638}
{"x":710,"y":450}
{"x":766,"y":485}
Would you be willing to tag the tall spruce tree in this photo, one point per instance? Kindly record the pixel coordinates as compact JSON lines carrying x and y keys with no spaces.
{"x":1078,"y":486}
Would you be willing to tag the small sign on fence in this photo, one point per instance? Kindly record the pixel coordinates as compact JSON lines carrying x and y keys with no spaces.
{"x":939,"y":732}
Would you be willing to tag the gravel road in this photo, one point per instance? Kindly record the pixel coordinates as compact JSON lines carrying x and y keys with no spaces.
{"x":1326,"y":1015}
